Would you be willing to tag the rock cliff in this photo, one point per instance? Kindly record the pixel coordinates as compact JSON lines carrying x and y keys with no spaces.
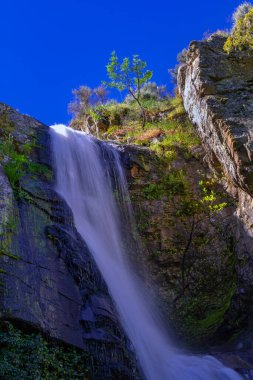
{"x":188,"y":240}
{"x":217,"y":91}
{"x":49,"y":281}
{"x":193,"y":210}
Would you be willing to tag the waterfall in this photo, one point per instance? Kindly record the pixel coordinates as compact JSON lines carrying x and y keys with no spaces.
{"x":84,"y":181}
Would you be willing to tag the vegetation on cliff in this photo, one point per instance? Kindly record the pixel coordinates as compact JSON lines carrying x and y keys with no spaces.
{"x":241,"y":36}
{"x":31,"y":356}
{"x":129,"y":75}
{"x":179,"y":208}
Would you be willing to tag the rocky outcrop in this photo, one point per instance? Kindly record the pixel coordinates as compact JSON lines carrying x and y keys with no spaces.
{"x":49,"y":280}
{"x":188,"y":246}
{"x":190,"y":237}
{"x":217,"y":91}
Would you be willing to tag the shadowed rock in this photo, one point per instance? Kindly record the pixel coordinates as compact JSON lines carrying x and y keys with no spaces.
{"x":49,"y":280}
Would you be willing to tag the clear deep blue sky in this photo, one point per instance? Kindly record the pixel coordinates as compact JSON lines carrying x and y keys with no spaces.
{"x":49,"y":47}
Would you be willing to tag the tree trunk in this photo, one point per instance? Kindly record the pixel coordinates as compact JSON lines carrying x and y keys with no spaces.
{"x":144,"y":118}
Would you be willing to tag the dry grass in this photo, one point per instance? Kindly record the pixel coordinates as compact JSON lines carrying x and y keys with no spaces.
{"x":151,"y":134}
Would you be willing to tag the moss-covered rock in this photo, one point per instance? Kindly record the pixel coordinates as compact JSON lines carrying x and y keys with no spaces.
{"x":185,"y":219}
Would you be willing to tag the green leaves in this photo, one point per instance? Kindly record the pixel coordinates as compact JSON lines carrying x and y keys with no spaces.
{"x":31,"y":357}
{"x":242,"y":34}
{"x":127,"y":75}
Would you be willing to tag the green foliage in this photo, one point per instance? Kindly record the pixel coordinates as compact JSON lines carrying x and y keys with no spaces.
{"x":36,"y":169}
{"x":177,"y":108}
{"x":31,"y":357}
{"x":127,"y":75}
{"x":200,"y":319}
{"x":6,"y":126}
{"x":210,"y":198}
{"x":178,"y":135}
{"x":241,"y":37}
{"x":172,"y":184}
{"x":175,"y":183}
{"x":172,"y":131}
{"x":18,"y":164}
{"x":153,"y":191}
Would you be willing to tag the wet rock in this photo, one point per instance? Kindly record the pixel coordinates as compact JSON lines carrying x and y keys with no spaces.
{"x":49,"y":280}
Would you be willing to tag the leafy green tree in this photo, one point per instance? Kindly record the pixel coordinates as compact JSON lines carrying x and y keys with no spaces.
{"x":129,"y":75}
{"x":241,"y":37}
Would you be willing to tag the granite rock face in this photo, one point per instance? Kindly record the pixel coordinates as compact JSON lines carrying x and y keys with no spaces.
{"x":217,"y":91}
{"x":49,"y":280}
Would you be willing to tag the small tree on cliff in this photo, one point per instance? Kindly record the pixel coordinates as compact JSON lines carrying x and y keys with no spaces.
{"x":130,"y":75}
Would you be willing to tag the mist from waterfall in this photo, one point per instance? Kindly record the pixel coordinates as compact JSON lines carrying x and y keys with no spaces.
{"x":85,"y":182}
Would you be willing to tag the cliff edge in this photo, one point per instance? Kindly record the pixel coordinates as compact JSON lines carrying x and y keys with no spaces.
{"x":217,"y":91}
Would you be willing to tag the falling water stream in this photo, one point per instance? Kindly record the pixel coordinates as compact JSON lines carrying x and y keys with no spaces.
{"x":82,"y":179}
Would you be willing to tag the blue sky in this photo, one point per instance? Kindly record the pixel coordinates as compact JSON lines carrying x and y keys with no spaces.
{"x":49,"y":47}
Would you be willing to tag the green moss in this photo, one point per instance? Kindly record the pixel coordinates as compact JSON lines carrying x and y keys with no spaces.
{"x":172,"y":184}
{"x":200,"y":317}
{"x":167,"y":128}
{"x":37,"y":169}
{"x":191,"y":257}
{"x":31,"y":357}
{"x":8,"y":254}
{"x":175,"y":183}
{"x":153,"y":191}
{"x":19,"y":164}
{"x":6,"y":126}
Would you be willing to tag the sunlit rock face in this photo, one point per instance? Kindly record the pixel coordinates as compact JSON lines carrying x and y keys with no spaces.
{"x":217,"y":91}
{"x":49,"y":281}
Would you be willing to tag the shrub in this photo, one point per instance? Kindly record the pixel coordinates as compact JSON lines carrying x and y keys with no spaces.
{"x":242,"y":34}
{"x":174,"y":183}
{"x":150,"y":90}
{"x":30,"y":356}
{"x":241,"y":11}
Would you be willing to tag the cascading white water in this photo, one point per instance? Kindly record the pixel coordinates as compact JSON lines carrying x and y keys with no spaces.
{"x":83,"y":181}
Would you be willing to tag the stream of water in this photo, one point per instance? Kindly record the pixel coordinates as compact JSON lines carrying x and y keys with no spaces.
{"x":83,"y":180}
